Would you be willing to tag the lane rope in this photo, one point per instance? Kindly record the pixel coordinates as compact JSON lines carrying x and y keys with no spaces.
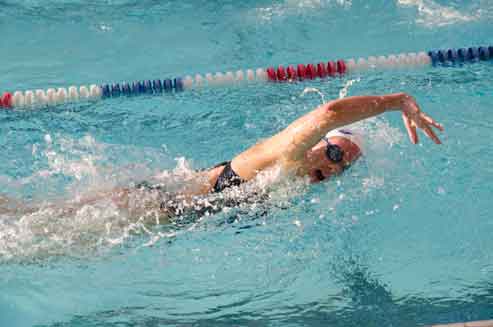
{"x":291,"y":73}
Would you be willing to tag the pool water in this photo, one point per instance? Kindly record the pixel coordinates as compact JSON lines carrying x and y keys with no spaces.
{"x":404,"y":238}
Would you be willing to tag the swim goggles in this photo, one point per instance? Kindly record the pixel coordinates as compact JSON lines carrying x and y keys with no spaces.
{"x":333,"y":152}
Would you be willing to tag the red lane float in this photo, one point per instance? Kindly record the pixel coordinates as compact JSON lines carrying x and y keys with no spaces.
{"x":341,"y":67}
{"x":291,"y":73}
{"x":6,"y":100}
{"x":331,"y":68}
{"x":301,"y":72}
{"x":311,"y":72}
{"x":271,"y":74}
{"x":281,"y":73}
{"x":322,"y":72}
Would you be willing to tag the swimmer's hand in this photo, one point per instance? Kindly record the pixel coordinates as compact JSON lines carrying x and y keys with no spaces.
{"x":414,"y":118}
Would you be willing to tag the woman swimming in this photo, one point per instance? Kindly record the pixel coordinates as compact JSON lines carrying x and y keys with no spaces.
{"x":313,"y":146}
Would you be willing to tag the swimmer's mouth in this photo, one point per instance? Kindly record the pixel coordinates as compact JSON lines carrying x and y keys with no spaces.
{"x":318,"y":176}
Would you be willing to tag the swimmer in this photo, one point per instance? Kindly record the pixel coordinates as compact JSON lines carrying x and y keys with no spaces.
{"x":315,"y":145}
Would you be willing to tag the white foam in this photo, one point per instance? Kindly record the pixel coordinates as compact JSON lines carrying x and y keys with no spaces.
{"x":432,"y":14}
{"x":294,"y":7}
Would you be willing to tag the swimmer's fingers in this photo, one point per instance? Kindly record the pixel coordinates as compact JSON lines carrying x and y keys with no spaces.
{"x":425,"y":123}
{"x":411,"y":128}
{"x":432,"y":122}
{"x":429,"y":132}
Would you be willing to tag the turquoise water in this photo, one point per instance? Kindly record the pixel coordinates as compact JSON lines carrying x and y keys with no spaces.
{"x":402,"y":239}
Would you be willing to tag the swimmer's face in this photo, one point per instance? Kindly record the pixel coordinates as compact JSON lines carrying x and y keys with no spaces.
{"x":320,"y":167}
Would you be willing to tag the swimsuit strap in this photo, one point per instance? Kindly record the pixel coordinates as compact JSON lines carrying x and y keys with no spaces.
{"x":227,"y":178}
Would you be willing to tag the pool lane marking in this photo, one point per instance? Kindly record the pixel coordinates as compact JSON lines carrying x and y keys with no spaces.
{"x":281,"y":74}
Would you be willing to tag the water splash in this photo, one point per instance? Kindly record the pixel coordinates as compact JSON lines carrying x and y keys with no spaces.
{"x":100,"y":208}
{"x":432,"y":14}
{"x":292,"y":7}
{"x":343,"y":92}
{"x":313,"y":90}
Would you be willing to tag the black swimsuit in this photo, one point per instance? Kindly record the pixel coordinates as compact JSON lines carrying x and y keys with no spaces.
{"x":227,"y":178}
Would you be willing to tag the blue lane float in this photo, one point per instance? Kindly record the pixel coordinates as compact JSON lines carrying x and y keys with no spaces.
{"x":461,"y":55}
{"x":281,"y":74}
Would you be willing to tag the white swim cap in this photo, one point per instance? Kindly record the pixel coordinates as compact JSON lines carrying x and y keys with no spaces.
{"x":348,"y":134}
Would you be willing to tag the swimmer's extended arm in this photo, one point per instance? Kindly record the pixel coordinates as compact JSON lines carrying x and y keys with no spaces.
{"x":292,"y":143}
{"x":307,"y":131}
